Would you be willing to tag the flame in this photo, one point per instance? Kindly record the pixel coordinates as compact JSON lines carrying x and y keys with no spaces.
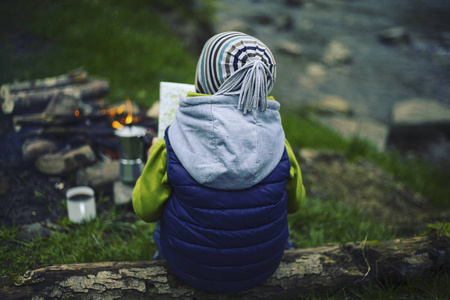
{"x":118,"y":113}
{"x":121,"y":109}
{"x":77,"y":113}
{"x":129,"y":107}
{"x":116,"y":125}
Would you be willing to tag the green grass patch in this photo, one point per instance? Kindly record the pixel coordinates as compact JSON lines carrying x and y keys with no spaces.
{"x":127,"y":43}
{"x":322,"y":222}
{"x":107,"y":238}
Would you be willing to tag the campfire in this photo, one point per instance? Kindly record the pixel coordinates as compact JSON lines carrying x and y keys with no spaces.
{"x":66,"y":132}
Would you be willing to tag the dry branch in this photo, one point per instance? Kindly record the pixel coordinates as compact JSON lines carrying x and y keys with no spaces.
{"x":324,"y":269}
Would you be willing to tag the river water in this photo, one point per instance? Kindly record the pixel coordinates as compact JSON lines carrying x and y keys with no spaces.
{"x":377,"y":75}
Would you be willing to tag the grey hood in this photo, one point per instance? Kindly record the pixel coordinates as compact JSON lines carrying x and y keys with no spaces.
{"x":222,"y":148}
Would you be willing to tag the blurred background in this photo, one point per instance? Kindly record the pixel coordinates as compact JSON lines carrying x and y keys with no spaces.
{"x":357,"y":58}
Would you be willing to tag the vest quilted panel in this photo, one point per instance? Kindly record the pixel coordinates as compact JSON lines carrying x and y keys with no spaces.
{"x":224,"y":241}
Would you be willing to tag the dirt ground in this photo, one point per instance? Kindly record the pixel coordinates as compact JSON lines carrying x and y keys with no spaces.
{"x":363,"y":185}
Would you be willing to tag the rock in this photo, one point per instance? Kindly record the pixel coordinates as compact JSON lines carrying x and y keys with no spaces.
{"x":122,"y":193}
{"x":394,"y":36}
{"x":419,"y":112}
{"x":315,"y":74}
{"x":333,"y":105}
{"x":33,"y":231}
{"x":369,"y":130}
{"x":32,"y":149}
{"x":290,"y":48}
{"x":64,"y":162}
{"x":100,"y":176}
{"x":421,"y":127}
{"x":337,"y":54}
{"x":153,"y":112}
{"x":316,"y":71}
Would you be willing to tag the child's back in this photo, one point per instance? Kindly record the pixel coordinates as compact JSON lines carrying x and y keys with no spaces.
{"x":229,"y":176}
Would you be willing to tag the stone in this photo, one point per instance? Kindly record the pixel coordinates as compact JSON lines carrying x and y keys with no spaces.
{"x":33,"y":148}
{"x":316,"y":70}
{"x":421,"y":128}
{"x":290,"y":48}
{"x":394,"y":36}
{"x":122,"y":193}
{"x":370,"y":130}
{"x":62,"y":163}
{"x":419,"y":111}
{"x":100,"y":176}
{"x":333,"y":105}
{"x":314,"y":74}
{"x":33,"y":231}
{"x":337,"y":54}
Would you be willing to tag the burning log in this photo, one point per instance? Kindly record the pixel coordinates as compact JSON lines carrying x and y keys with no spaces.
{"x":25,"y":100}
{"x":320,"y":270}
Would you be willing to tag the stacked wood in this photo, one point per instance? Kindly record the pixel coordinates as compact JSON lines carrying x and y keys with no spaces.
{"x":302,"y":272}
{"x":24,"y":96}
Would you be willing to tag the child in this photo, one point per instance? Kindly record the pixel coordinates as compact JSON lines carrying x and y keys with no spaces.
{"x":223,"y":179}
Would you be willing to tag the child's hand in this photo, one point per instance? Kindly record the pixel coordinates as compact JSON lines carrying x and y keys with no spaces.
{"x":154,"y":140}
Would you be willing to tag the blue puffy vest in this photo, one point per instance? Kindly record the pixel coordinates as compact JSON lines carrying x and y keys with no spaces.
{"x":224,"y":240}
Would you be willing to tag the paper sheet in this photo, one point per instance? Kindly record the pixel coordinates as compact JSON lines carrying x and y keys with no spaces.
{"x":169,"y":95}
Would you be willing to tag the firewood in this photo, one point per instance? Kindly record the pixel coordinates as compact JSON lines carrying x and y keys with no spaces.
{"x":320,"y":270}
{"x":76,"y":76}
{"x":23,"y":101}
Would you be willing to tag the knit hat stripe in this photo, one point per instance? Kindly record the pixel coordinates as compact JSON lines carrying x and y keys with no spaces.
{"x":207,"y":70}
{"x":229,"y":52}
{"x":221,"y":55}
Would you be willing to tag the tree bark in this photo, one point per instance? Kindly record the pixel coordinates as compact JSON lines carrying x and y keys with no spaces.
{"x":320,"y":270}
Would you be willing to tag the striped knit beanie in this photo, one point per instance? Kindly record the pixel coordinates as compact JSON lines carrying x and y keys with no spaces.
{"x":234,"y":63}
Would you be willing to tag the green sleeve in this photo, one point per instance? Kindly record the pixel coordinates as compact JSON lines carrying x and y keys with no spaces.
{"x":152,"y":189}
{"x":294,"y":188}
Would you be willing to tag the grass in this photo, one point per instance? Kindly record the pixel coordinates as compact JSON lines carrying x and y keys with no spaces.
{"x":424,"y":178}
{"x":323,"y":222}
{"x":107,"y":238}
{"x":128,"y":43}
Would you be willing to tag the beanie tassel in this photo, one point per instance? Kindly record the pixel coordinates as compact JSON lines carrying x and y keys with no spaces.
{"x":252,"y":82}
